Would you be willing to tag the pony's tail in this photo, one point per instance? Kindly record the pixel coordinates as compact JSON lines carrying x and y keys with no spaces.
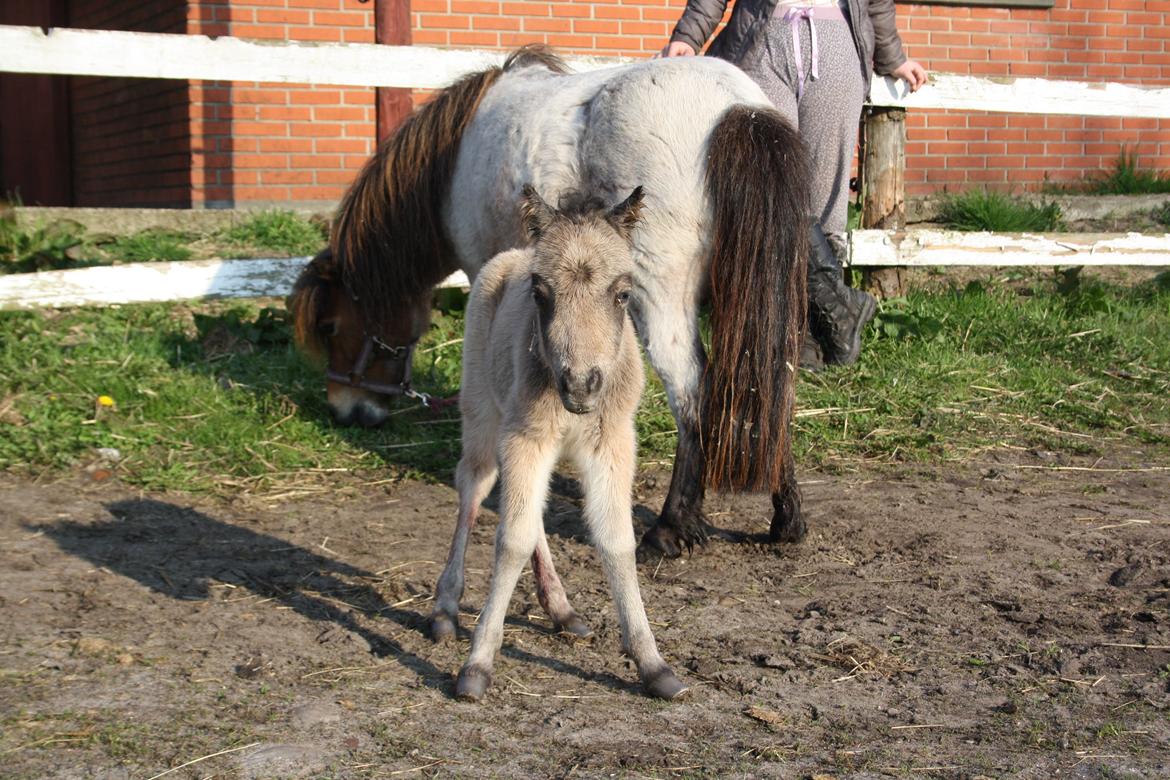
{"x":758,"y":185}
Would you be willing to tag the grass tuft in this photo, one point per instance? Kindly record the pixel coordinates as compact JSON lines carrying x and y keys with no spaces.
{"x":148,"y":246}
{"x":995,"y":211}
{"x":278,"y":231}
{"x":1127,"y":179}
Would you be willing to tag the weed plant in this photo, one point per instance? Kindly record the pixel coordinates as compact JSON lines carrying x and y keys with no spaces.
{"x":995,"y":211}
{"x":40,"y":248}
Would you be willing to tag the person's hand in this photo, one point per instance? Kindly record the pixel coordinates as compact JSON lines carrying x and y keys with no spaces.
{"x":677,"y":49}
{"x":912,"y":72}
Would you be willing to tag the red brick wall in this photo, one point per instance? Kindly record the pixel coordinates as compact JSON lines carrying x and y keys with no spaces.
{"x":255,"y":143}
{"x":1083,"y":40}
{"x":1091,"y":40}
{"x":130,"y":141}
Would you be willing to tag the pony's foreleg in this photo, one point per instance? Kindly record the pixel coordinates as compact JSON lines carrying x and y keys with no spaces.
{"x":608,"y":476}
{"x":788,"y":526}
{"x":671,"y":337}
{"x":526,"y":465}
{"x":551,"y":593}
{"x":474,"y":477}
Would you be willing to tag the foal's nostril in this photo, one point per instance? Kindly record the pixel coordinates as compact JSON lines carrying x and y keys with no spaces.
{"x":593,"y":382}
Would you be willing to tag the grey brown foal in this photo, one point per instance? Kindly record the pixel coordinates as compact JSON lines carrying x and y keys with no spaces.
{"x":551,"y":369}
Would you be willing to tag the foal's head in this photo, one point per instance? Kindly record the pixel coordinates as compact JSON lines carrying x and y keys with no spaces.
{"x":362,"y":368}
{"x":581,"y":281}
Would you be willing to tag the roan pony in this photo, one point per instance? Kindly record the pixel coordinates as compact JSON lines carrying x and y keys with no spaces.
{"x":724,"y":222}
{"x":551,"y":369}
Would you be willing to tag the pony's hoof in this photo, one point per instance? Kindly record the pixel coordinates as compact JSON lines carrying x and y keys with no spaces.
{"x":788,"y":526}
{"x":664,"y":685}
{"x":659,"y":541}
{"x":443,"y":627}
{"x":574,"y":628}
{"x":472,"y":683}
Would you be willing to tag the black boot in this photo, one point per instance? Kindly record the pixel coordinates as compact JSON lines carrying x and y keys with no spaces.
{"x":811,"y":358}
{"x":837,"y":313}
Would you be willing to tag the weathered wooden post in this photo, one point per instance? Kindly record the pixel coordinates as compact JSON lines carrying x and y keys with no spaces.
{"x":882,"y":164}
{"x":392,"y":28}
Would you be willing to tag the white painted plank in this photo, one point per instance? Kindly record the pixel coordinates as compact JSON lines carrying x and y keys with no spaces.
{"x":1024,"y":96}
{"x":158,"y":282}
{"x":159,"y":55}
{"x":167,"y":56}
{"x":950,"y":247}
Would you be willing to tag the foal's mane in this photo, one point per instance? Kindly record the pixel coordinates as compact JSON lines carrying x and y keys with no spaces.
{"x":388,"y":237}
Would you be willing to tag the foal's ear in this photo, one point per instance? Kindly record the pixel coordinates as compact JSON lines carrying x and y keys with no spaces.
{"x":625,"y":215}
{"x":535,"y":214}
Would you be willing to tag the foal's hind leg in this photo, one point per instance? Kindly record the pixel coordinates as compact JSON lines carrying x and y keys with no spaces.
{"x":551,"y":593}
{"x":474,"y":477}
{"x":669,"y":328}
{"x":788,"y":526}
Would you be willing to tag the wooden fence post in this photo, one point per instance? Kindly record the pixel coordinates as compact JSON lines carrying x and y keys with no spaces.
{"x":392,"y":28}
{"x":883,"y":188}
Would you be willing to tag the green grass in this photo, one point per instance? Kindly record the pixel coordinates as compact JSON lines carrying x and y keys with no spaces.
{"x":216,"y":398}
{"x":995,"y":211}
{"x":148,"y":246}
{"x":278,"y":231}
{"x":1127,"y":179}
{"x":66,"y":244}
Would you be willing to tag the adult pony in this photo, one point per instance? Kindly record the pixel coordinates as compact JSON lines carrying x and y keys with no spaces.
{"x":724,"y":222}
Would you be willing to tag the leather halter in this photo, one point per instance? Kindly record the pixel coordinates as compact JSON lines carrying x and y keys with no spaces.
{"x":371,"y":347}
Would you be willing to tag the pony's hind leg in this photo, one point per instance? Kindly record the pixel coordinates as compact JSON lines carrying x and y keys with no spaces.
{"x":552,"y":596}
{"x":608,"y":476}
{"x":474,"y":477}
{"x":788,"y":526}
{"x":526,"y":466}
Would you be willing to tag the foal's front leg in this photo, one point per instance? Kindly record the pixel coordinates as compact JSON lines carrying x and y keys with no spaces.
{"x":526,"y":467}
{"x":608,"y":476}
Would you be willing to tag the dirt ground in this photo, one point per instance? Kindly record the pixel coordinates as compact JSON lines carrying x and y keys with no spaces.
{"x":1008,"y":618}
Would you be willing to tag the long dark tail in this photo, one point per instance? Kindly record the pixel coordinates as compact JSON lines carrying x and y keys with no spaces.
{"x":758,"y":185}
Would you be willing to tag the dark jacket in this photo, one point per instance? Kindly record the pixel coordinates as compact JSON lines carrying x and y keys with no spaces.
{"x":874,"y":31}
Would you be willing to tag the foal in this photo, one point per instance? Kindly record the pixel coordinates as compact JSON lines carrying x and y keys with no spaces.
{"x":551,"y":367}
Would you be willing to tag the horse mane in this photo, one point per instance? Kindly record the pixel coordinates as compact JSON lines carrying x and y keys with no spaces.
{"x":388,"y":237}
{"x":306,"y":303}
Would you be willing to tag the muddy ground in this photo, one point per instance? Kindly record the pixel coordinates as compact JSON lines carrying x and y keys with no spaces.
{"x":1007,"y":618}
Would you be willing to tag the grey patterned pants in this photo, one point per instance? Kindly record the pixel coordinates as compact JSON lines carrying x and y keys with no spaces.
{"x":827,"y":109}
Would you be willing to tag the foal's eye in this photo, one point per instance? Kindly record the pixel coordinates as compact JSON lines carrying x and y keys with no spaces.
{"x":623,"y":298}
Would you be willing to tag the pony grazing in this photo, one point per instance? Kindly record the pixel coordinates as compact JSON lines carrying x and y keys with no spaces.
{"x":725,"y":222}
{"x":551,"y":368}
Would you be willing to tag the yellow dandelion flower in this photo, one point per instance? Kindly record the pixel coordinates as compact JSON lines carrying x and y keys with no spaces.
{"x":105,"y":400}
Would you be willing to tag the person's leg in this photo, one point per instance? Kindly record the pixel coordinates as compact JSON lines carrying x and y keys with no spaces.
{"x":829,"y":108}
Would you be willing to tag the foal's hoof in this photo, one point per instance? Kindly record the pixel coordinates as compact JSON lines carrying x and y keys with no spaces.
{"x":472,"y":683}
{"x":443,"y":627}
{"x":574,"y":628}
{"x":664,"y":685}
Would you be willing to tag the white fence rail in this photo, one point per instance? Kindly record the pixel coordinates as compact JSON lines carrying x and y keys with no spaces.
{"x":158,"y":55}
{"x":155,"y":55}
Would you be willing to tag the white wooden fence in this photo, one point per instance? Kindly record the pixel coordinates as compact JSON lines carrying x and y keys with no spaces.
{"x":155,"y":55}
